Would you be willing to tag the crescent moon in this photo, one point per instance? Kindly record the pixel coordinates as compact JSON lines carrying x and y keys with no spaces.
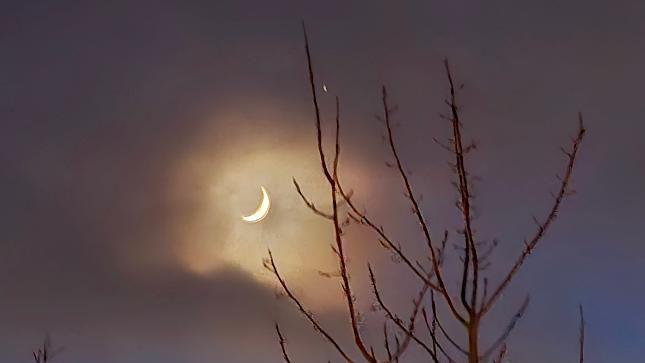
{"x":262,"y":210}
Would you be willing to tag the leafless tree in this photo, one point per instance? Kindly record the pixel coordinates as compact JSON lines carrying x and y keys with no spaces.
{"x":46,"y":352}
{"x":472,"y":300}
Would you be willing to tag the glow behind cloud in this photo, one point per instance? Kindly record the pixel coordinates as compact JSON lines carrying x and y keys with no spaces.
{"x":217,"y":237}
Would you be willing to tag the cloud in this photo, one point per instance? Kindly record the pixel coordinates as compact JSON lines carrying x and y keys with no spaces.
{"x":132,"y":136}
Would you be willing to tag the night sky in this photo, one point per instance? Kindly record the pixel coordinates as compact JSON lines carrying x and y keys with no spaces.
{"x":133,"y":134}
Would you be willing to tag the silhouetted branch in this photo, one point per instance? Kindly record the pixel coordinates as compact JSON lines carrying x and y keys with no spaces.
{"x":464,"y":204}
{"x":449,"y":338}
{"x":409,"y":331}
{"x":331,"y":179}
{"x":310,"y":204}
{"x":282,"y":344}
{"x":274,"y":269}
{"x":509,"y":328}
{"x":437,"y":323}
{"x":500,"y":355}
{"x":417,"y":211}
{"x":46,"y":352}
{"x":42,"y":354}
{"x":386,"y":342}
{"x":314,"y":99}
{"x":543,"y":227}
{"x":582,"y":335}
{"x":386,"y":241}
{"x":337,"y":141}
{"x":474,"y":301}
{"x":432,"y":330}
{"x":416,"y":305}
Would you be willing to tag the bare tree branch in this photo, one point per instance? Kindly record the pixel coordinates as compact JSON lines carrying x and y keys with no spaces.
{"x":416,"y":306}
{"x":331,"y":179}
{"x":387,"y":241}
{"x":274,"y":269}
{"x":447,"y":336}
{"x":46,"y":352}
{"x":282,"y":344}
{"x":464,"y":204}
{"x":337,"y":141}
{"x":543,"y":227}
{"x":386,"y":340}
{"x":396,"y":320}
{"x":312,"y":83}
{"x":509,"y":328}
{"x":432,"y":330}
{"x":582,"y":335}
{"x":309,"y":203}
{"x":500,"y":355}
{"x":473,"y":303}
{"x":417,"y":211}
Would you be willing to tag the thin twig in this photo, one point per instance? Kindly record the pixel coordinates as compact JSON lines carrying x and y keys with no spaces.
{"x":500,"y":355}
{"x":464,"y":206}
{"x":543,"y":227}
{"x":417,"y":211}
{"x":416,"y":305}
{"x":582,"y":335}
{"x":432,"y":330}
{"x":448,"y":337}
{"x":309,"y":203}
{"x":396,"y":320}
{"x":386,"y":340}
{"x":509,"y":328}
{"x":331,"y":179}
{"x":304,"y":311}
{"x":282,"y":344}
{"x":386,"y":240}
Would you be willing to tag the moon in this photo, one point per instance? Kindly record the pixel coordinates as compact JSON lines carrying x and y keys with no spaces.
{"x":262,"y":210}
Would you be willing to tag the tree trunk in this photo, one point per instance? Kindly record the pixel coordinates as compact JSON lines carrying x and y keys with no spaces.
{"x":473,"y":341}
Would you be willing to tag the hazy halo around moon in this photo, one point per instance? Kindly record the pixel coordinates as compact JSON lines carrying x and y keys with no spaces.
{"x":262,"y":210}
{"x":221,"y":190}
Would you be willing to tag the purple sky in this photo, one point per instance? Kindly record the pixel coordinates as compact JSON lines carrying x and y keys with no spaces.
{"x":129,"y":129}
